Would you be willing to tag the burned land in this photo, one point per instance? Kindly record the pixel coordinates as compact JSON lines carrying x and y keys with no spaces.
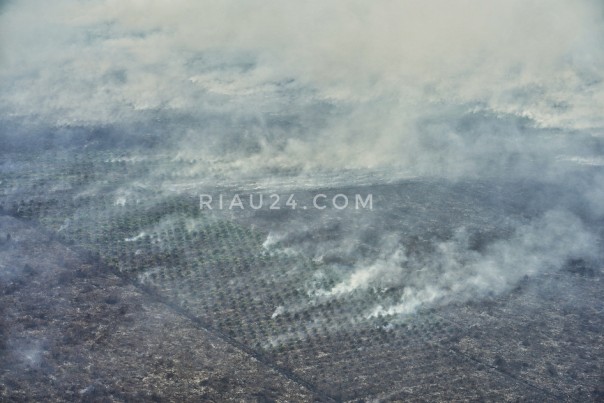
{"x":110,"y":292}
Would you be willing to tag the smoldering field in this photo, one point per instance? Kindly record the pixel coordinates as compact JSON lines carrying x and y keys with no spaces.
{"x":476,"y":127}
{"x":372,"y":95}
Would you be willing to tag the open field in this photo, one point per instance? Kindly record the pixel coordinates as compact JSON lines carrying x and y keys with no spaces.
{"x":113,"y":289}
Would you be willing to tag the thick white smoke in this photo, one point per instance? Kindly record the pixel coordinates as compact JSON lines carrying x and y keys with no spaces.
{"x":356,"y":82}
{"x":457,"y":273}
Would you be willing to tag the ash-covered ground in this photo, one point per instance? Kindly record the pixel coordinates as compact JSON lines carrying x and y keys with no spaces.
{"x":72,"y":330}
{"x":113,"y":292}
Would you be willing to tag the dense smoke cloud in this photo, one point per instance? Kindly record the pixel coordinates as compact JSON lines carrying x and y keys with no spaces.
{"x":336,"y":84}
{"x":456,"y":272}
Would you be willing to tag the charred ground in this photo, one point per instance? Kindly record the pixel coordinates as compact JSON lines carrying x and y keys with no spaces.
{"x":113,"y":291}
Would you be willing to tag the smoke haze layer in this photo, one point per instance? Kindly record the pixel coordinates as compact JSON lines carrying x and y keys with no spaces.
{"x":274,"y":95}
